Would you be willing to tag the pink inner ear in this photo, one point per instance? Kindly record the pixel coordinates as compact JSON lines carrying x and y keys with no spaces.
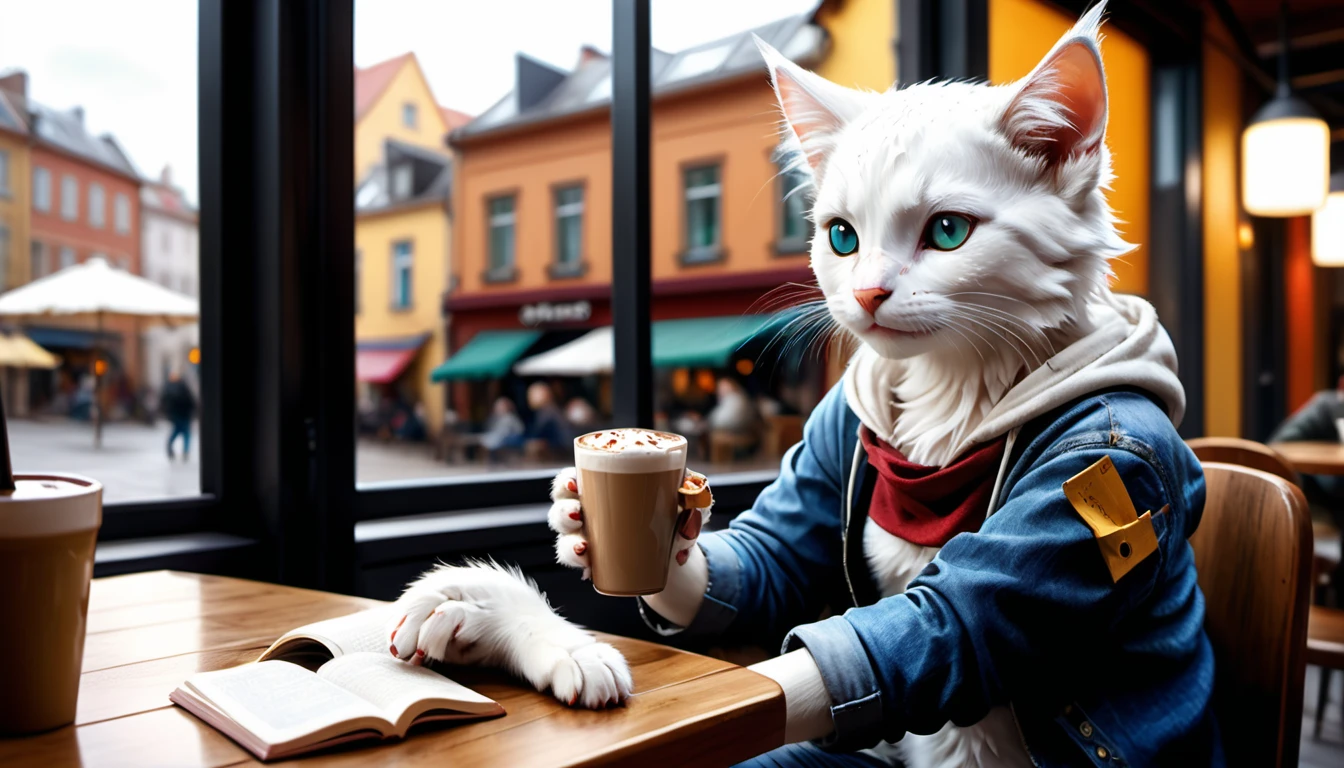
{"x":1080,"y":88}
{"x":804,"y":114}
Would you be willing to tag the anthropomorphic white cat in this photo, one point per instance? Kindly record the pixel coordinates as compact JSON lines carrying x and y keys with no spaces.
{"x":964,"y":237}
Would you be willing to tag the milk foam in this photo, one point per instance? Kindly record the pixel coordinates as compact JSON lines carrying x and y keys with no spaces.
{"x":630,"y":450}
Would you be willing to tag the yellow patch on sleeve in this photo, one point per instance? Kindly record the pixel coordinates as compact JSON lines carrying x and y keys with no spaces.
{"x":1099,"y":496}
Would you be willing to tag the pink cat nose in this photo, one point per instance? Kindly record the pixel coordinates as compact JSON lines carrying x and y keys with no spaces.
{"x":871,"y":298}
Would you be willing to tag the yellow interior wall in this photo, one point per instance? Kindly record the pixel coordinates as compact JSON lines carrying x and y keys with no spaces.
{"x":863,"y":43}
{"x":14,"y":209}
{"x":1021,"y":32}
{"x":1222,"y":255}
{"x":383,"y":119}
{"x":427,"y":227}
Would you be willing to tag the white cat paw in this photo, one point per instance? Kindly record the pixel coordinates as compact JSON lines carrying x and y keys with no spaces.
{"x":594,"y":676}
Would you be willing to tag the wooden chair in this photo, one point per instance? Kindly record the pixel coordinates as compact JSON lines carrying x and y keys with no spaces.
{"x":1325,"y":649}
{"x":1325,"y":628}
{"x":1244,"y":453}
{"x":1253,"y":552}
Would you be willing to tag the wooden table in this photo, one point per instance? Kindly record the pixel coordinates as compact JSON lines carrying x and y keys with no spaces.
{"x":148,"y":632}
{"x":1313,"y":458}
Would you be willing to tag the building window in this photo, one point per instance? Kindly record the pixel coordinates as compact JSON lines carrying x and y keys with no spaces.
{"x":41,"y":188}
{"x":39,"y":259}
{"x":69,"y":198}
{"x":97,"y":206}
{"x":123,"y":263}
{"x":568,"y":232}
{"x":502,"y":224}
{"x":794,"y":228}
{"x":4,"y":173}
{"x":122,"y":210}
{"x":403,"y":177}
{"x":4,"y":256}
{"x":403,"y":259}
{"x":68,"y":256}
{"x":702,"y":215}
{"x":409,"y":117}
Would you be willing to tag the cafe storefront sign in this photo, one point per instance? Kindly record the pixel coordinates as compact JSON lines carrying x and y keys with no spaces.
{"x":548,"y":313}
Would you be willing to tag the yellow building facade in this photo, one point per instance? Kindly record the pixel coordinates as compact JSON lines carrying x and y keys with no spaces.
{"x":402,"y":235}
{"x":393,"y":101}
{"x":15,"y":203}
{"x":863,"y":35}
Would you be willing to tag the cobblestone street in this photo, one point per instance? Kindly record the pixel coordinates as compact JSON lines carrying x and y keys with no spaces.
{"x":133,"y":463}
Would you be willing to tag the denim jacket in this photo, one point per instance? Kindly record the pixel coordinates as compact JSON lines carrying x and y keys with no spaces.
{"x":1022,"y":613}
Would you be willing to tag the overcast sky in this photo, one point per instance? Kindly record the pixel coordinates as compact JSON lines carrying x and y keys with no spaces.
{"x":132,"y":63}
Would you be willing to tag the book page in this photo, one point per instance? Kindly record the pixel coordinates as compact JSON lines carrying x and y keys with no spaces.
{"x":403,"y":691}
{"x":312,"y":644}
{"x":283,"y":704}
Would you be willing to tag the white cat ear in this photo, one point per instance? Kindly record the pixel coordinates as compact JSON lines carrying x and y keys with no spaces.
{"x":1060,"y":108}
{"x":814,"y":108}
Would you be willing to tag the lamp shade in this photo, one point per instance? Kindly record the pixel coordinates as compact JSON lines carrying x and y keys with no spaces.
{"x":1285,"y":159}
{"x":1327,"y":227}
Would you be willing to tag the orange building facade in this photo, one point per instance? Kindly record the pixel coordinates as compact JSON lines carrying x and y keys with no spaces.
{"x":723,"y":234}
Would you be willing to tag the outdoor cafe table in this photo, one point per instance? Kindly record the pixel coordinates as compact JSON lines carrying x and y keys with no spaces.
{"x":1313,"y":458}
{"x":149,"y":632}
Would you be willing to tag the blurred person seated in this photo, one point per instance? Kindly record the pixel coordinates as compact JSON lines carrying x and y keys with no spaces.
{"x":1318,"y":420}
{"x":581,"y":414}
{"x":503,"y":430}
{"x":734,"y":423}
{"x":551,"y":433}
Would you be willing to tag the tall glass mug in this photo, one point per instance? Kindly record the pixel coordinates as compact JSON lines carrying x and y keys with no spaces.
{"x":628,"y":480}
{"x":48,"y":527}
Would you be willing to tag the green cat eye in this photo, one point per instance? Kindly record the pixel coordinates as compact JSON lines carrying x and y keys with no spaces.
{"x":947,"y":231}
{"x":844,"y":240}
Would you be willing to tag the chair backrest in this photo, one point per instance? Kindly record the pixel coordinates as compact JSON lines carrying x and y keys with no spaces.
{"x":1244,"y":453}
{"x":1253,"y":552}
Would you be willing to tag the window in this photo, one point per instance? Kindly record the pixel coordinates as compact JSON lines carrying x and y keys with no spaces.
{"x":502,"y":225}
{"x":123,"y":214}
{"x":41,"y":188}
{"x":702,"y":215}
{"x":403,"y":179}
{"x":4,"y":256}
{"x":409,"y":116}
{"x":39,"y":259}
{"x":101,"y":133}
{"x":97,"y":206}
{"x":4,"y":173}
{"x":403,"y":260}
{"x":794,"y":228}
{"x":69,"y":198}
{"x":568,"y":231}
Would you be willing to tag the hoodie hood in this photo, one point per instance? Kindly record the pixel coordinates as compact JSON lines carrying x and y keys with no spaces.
{"x":1128,"y":347}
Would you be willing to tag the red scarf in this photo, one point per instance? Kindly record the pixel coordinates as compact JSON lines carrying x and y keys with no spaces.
{"x":929,"y":505}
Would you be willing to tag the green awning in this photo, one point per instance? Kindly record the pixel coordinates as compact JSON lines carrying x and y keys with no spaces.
{"x":705,"y":342}
{"x":488,"y":355}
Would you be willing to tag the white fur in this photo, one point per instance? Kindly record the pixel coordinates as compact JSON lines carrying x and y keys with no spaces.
{"x":971,"y":323}
{"x":483,"y":613}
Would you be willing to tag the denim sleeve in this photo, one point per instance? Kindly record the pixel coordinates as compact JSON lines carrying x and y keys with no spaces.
{"x":1016,"y":607}
{"x":770,"y":569}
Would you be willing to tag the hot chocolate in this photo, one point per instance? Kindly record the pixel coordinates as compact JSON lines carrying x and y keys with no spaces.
{"x":628,"y":479}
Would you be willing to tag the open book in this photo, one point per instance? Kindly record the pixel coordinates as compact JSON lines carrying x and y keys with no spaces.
{"x":325,"y":684}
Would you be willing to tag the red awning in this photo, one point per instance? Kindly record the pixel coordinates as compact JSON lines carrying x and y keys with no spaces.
{"x":382,"y":366}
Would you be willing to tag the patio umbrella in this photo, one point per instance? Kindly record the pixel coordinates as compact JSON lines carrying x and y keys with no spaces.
{"x":94,"y":289}
{"x":19,"y":351}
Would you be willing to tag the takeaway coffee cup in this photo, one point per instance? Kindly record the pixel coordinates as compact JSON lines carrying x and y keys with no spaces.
{"x":629,"y":481}
{"x":48,"y":526}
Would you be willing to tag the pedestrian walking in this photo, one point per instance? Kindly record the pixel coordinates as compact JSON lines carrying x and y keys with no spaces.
{"x":179,"y":407}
